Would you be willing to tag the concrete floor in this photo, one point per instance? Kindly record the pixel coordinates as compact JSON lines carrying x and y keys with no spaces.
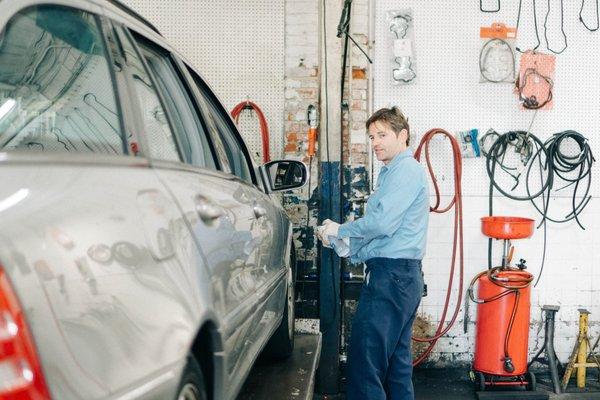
{"x":454,"y":384}
{"x":293,"y":379}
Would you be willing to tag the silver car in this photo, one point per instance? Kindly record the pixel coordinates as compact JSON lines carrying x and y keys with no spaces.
{"x":142,"y":255}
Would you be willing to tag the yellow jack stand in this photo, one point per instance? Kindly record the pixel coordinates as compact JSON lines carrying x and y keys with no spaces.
{"x":579,"y":356}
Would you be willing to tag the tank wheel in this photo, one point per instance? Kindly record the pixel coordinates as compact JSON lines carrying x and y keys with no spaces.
{"x":531,"y":385}
{"x":479,"y":381}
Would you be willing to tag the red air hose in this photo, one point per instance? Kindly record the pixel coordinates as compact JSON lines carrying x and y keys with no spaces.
{"x":264,"y":129}
{"x":458,"y":234}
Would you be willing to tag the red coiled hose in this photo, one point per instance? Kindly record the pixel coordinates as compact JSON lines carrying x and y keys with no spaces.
{"x":264,"y":129}
{"x":458,"y":233}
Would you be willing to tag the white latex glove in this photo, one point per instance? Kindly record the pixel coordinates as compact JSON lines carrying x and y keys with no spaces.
{"x":320,"y":230}
{"x":329,"y":228}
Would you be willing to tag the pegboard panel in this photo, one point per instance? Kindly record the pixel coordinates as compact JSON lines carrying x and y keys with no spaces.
{"x":447,"y":94}
{"x":238,"y":47}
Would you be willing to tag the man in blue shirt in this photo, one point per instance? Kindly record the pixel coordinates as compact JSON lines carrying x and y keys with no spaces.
{"x":390,"y":239}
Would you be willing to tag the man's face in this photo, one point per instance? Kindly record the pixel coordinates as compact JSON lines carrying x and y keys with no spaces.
{"x":386,"y":144}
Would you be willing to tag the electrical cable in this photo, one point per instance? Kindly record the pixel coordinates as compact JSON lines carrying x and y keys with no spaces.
{"x":583,"y":22}
{"x":457,"y":246}
{"x":534,"y":24}
{"x":553,"y":164}
{"x":561,"y":165}
{"x":264,"y":128}
{"x":523,"y":142}
{"x":483,"y":140}
{"x":488,"y":11}
{"x":562,"y":28}
{"x":532,"y":102}
{"x":484,"y":55}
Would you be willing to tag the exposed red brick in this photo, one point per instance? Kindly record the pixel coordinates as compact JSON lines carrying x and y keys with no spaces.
{"x":359,"y":73}
{"x":291,"y":148}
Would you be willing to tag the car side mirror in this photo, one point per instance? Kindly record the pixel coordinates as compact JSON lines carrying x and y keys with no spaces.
{"x":285,"y":174}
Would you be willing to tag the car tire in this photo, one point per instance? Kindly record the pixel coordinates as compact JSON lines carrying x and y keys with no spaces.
{"x":192,"y":385}
{"x":281,"y":344}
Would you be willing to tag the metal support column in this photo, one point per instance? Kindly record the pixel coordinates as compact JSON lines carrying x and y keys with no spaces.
{"x":328,"y":374}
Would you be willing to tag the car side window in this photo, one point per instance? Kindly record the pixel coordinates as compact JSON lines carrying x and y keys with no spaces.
{"x":161,"y":140}
{"x":184,"y":119}
{"x":56,"y":89}
{"x":215,"y":117}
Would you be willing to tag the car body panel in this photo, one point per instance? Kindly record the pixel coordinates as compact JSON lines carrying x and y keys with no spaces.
{"x":116,"y":264}
{"x":117,"y":271}
{"x":246,"y":274}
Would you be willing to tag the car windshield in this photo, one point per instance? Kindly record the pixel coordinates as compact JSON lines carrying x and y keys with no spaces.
{"x":56,"y":92}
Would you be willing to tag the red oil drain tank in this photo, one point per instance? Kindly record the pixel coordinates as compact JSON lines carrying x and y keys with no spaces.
{"x":494,"y":323}
{"x":503,"y":303}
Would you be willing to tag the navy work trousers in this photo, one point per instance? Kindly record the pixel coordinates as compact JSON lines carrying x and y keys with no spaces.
{"x":379,"y":355}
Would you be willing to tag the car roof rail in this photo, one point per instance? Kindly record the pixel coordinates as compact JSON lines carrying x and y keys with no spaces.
{"x":134,"y":14}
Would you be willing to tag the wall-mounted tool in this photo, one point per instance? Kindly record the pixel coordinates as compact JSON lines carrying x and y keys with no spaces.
{"x":469,"y":146}
{"x":401,"y":26}
{"x":535,"y":84}
{"x":312,"y":116}
{"x":497,"y":55}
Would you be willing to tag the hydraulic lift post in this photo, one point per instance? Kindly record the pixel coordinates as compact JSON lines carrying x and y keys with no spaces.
{"x":330,"y":146}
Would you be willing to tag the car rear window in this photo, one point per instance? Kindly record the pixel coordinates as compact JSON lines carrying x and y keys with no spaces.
{"x":56,"y":89}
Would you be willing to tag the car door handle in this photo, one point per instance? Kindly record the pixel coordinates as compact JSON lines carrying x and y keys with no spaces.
{"x":259,"y":211}
{"x":207,"y":211}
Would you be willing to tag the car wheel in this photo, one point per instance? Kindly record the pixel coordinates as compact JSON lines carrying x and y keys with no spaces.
{"x":192,"y":382}
{"x":281,"y":344}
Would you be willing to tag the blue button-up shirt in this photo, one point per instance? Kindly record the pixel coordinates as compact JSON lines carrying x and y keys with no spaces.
{"x":397,"y":214}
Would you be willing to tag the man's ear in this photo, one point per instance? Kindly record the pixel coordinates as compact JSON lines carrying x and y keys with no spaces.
{"x":403,"y":135}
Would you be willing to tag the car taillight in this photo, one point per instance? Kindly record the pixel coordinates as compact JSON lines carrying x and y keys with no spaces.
{"x":20,"y":371}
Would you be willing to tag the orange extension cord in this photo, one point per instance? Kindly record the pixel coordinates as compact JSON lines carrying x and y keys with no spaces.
{"x":458,"y":233}
{"x":264,"y":129}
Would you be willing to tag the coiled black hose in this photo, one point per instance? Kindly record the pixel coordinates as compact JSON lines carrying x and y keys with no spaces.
{"x":525,"y":144}
{"x":554,"y":165}
{"x":563,"y":166}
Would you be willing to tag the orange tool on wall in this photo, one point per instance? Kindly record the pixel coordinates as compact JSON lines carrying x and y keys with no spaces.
{"x":313,"y":123}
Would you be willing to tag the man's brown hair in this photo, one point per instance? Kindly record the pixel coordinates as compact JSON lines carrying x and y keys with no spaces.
{"x":394,"y":118}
